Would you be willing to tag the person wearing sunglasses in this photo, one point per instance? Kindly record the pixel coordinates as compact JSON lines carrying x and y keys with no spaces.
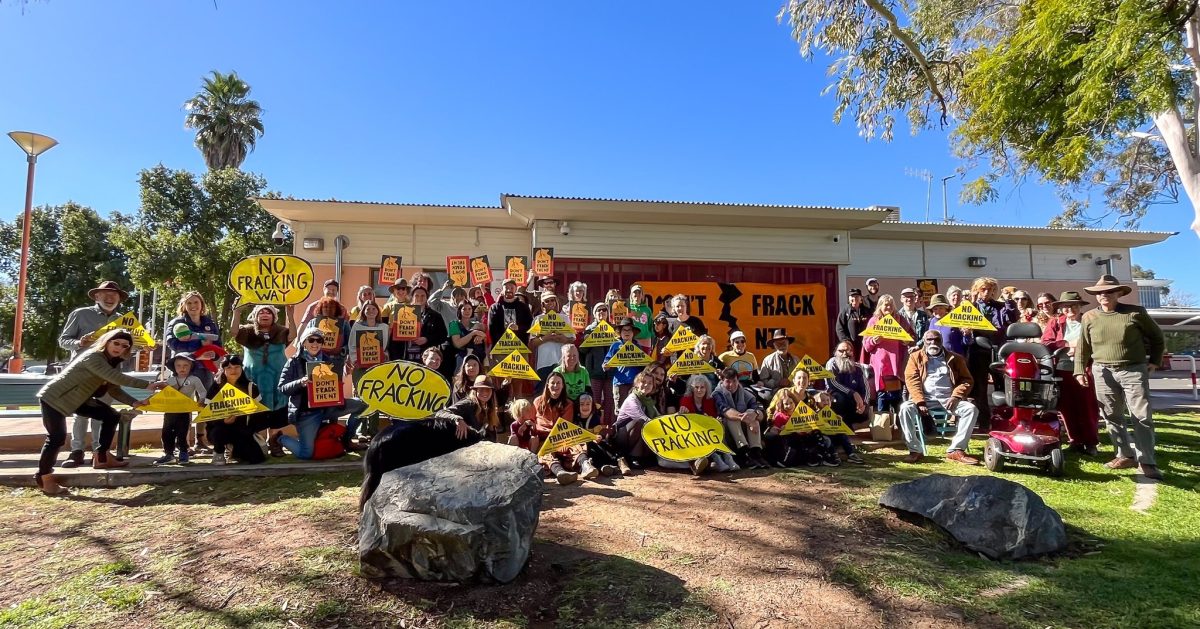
{"x":293,"y":383}
{"x":1124,"y":346}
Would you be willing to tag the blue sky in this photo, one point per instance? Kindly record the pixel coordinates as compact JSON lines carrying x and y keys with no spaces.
{"x":456,"y":103}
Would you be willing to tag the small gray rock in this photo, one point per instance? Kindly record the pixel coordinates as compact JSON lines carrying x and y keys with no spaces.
{"x":468,"y":515}
{"x":997,"y":517}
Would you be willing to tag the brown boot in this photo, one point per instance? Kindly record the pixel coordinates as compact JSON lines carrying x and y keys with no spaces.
{"x":49,"y":485}
{"x":913,"y":457}
{"x":273,"y":445}
{"x":958,"y":456}
{"x":1121,"y":463}
{"x":103,"y":459}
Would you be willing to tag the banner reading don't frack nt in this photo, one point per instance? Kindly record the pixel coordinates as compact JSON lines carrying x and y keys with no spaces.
{"x":756,"y":309}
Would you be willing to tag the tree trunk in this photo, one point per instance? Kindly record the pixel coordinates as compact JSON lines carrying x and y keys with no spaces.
{"x":1174,"y":135}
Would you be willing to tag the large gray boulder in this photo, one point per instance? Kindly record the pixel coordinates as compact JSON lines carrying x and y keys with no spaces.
{"x":997,"y":517}
{"x":468,"y":515}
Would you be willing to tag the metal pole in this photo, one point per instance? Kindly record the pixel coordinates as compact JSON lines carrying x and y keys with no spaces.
{"x":16,"y":364}
{"x":945,"y":205}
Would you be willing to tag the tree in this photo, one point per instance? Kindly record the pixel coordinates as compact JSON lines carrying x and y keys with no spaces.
{"x":1061,"y":89}
{"x":189,"y":232}
{"x":70,"y":253}
{"x":1140,"y":273}
{"x":227,"y":124}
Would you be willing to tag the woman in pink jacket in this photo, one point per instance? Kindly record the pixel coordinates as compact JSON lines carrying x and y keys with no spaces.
{"x":886,"y":357}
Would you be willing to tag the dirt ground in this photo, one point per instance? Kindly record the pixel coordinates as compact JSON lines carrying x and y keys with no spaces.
{"x":755,"y":550}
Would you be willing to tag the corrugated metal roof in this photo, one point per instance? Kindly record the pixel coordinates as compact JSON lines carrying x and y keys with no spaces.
{"x":1030,"y":227}
{"x":771,"y":205}
{"x":435,"y":205}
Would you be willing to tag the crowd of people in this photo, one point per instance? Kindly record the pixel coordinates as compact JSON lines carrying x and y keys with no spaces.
{"x":869,"y":378}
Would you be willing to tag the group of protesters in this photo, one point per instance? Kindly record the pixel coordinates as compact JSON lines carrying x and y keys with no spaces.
{"x":1112,"y":348}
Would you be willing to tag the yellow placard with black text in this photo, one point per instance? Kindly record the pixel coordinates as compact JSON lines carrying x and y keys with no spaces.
{"x":403,"y":390}
{"x":967,"y":315}
{"x":689,"y":364}
{"x":129,"y":321}
{"x":229,"y":402}
{"x":551,"y":323}
{"x":831,"y":424}
{"x":274,"y":279}
{"x":803,"y":420}
{"x":507,"y":344}
{"x":629,"y":355}
{"x":170,"y":400}
{"x":602,"y":335}
{"x":816,"y":370}
{"x":564,"y":434}
{"x":684,"y":437}
{"x":888,"y":328}
{"x":514,"y":366}
{"x":682,"y":339}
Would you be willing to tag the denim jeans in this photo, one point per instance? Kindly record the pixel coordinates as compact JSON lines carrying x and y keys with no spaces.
{"x":307,"y":423}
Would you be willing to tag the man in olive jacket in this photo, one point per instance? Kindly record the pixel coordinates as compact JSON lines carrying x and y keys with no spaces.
{"x":938,"y":379}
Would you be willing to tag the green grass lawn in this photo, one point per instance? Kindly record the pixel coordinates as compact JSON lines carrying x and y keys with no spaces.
{"x":1124,"y":568}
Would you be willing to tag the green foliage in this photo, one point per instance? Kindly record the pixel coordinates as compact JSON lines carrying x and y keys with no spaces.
{"x":189,"y":232}
{"x":70,"y":253}
{"x":1140,"y":273}
{"x":1053,"y":88}
{"x":227,"y":124}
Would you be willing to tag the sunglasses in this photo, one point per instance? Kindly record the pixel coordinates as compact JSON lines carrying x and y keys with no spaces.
{"x":843,"y":351}
{"x":314,"y":341}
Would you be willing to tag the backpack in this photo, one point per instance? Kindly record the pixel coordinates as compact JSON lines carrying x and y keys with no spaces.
{"x":328,"y":444}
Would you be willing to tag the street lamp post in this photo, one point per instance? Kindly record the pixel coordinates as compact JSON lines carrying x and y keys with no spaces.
{"x":33,"y":144}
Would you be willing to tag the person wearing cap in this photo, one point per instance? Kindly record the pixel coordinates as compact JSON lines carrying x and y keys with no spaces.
{"x":910,"y":311}
{"x":547,"y":346}
{"x":937,"y":379}
{"x":622,"y":377}
{"x":737,"y":358}
{"x":777,"y":367}
{"x":541,"y":287}
{"x":1076,"y":401}
{"x":77,"y":335}
{"x":235,"y":436}
{"x":592,"y":359}
{"x":293,"y":383}
{"x":1124,"y":346}
{"x":641,"y":314}
{"x":264,"y":342}
{"x":81,"y":389}
{"x":852,"y":320}
{"x":956,"y":340}
{"x":330,"y":290}
{"x":743,"y":417}
{"x":176,"y":425}
{"x":871,"y":299}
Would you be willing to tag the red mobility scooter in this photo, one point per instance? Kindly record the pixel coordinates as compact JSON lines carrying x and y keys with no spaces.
{"x":1025,"y":425}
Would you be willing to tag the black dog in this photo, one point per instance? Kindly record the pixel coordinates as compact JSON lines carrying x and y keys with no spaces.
{"x":408,"y":442}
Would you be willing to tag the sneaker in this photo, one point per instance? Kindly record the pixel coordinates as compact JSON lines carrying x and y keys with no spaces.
{"x":780,"y":464}
{"x":1121,"y":463}
{"x":958,"y":456}
{"x":566,"y":478}
{"x":699,"y":465}
{"x":856,"y":458}
{"x":813,"y":463}
{"x":164,"y":459}
{"x":609,"y":470}
{"x":588,"y":471}
{"x":719,"y":465}
{"x":218,"y":458}
{"x":1151,"y":471}
{"x":183,"y":456}
{"x":734,"y":467}
{"x":831,"y":461}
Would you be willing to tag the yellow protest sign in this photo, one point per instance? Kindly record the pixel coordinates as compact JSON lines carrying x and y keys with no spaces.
{"x":333,"y":333}
{"x":683,"y":437}
{"x":619,"y":310}
{"x":888,"y":328}
{"x":551,"y":323}
{"x":543,"y":261}
{"x":831,"y":424}
{"x":481,"y":271}
{"x":128,"y":321}
{"x":816,"y":370}
{"x":275,"y":279}
{"x":389,"y":269}
{"x":682,"y":339}
{"x":803,"y":420}
{"x":170,"y":400}
{"x":230,"y":402}
{"x":564,"y":434}
{"x":403,"y":390}
{"x":688,"y":364}
{"x":579,"y":315}
{"x":514,"y":366}
{"x":516,"y":268}
{"x":966,"y":315}
{"x":457,"y":268}
{"x":629,"y":355}
{"x":507,"y":344}
{"x":602,"y":335}
{"x":405,"y":325}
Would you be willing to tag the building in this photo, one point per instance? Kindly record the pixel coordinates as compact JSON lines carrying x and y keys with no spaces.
{"x":612,"y":243}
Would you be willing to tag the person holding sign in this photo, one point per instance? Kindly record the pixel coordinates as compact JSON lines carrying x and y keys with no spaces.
{"x":622,"y":377}
{"x":263,"y":343}
{"x":818,"y":400}
{"x":801,"y":447}
{"x":547,"y":344}
{"x":509,"y":313}
{"x":329,"y":290}
{"x":637,"y":409}
{"x":176,"y":425}
{"x":79,"y":390}
{"x":743,"y":416}
{"x":705,"y":350}
{"x":569,"y":463}
{"x":77,"y":335}
{"x":698,"y":399}
{"x":592,"y":358}
{"x":293,"y":383}
{"x":331,"y":320}
{"x":938,"y":379}
{"x":368,"y":347}
{"x":236,"y":435}
{"x":957,"y":340}
{"x":576,"y":294}
{"x":467,"y":336}
{"x":886,"y":357}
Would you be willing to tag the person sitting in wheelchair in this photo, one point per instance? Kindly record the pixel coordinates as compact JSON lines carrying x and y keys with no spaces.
{"x":938,"y":384}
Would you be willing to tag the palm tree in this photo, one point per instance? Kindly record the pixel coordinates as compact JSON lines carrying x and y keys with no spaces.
{"x":227,"y":124}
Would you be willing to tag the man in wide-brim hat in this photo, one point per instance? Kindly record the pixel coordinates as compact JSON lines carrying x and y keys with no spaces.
{"x":77,"y":335}
{"x":1124,"y":346}
{"x":778,"y":366}
{"x":1076,"y":402}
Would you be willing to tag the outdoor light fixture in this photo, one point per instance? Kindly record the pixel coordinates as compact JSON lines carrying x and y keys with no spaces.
{"x":314,"y":244}
{"x":33,"y":144}
{"x":976,"y":262}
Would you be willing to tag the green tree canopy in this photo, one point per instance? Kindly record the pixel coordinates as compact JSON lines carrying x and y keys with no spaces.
{"x":227,"y":123}
{"x":70,"y":253}
{"x":1066,"y":90}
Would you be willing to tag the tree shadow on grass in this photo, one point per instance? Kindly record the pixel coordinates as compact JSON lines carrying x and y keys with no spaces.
{"x":230,"y":491}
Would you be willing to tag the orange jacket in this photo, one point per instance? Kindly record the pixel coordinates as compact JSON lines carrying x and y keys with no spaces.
{"x":917,"y":368}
